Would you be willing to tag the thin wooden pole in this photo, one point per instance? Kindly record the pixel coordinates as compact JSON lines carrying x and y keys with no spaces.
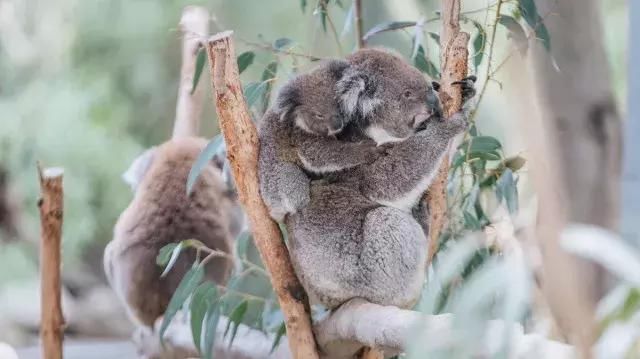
{"x":453,"y":67}
{"x":241,"y":139}
{"x":51,"y":210}
{"x":357,"y":19}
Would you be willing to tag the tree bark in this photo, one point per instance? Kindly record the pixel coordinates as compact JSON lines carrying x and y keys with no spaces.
{"x":194,"y":25}
{"x":51,"y":210}
{"x":241,"y":139}
{"x":453,"y":67}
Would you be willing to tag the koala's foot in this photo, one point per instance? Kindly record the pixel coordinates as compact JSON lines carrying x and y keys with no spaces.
{"x":453,"y":125}
{"x":468,"y":87}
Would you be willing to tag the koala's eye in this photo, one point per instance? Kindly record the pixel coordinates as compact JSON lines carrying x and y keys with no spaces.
{"x":318,"y":116}
{"x":408,"y":94}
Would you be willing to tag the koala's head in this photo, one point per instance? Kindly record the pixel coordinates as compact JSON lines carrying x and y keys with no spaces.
{"x":311,"y":101}
{"x":390,"y":98}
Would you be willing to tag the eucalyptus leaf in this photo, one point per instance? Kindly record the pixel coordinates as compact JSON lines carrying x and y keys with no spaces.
{"x":422,"y":63}
{"x":235,"y":318}
{"x":282,"y":330}
{"x":187,"y":285}
{"x":282,"y":43}
{"x":211,"y":324}
{"x":515,"y":163}
{"x":534,"y":20}
{"x":487,"y":156}
{"x":200,"y":60}
{"x":245,"y":60}
{"x":242,"y":244}
{"x":202,"y":296}
{"x":479,"y":43}
{"x":204,"y":158}
{"x":507,"y":189}
{"x":165,"y":254}
{"x":303,"y":5}
{"x":470,"y":221}
{"x":254,"y":91}
{"x":388,"y":26}
{"x":484,"y":144}
{"x":174,"y":257}
{"x":516,"y":33}
{"x":268,"y":75}
{"x":435,"y":37}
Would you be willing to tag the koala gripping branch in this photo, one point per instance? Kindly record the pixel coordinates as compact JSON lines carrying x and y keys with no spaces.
{"x":241,"y":139}
{"x":453,"y":60}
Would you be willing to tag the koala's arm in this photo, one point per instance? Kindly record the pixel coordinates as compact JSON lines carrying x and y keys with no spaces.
{"x":327,"y":154}
{"x":400,"y":177}
{"x":283,"y":185}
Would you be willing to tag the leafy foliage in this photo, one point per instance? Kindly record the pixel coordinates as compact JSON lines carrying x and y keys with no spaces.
{"x":200,"y":60}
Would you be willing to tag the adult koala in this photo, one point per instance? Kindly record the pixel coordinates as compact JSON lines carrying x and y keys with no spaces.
{"x":357,"y":236}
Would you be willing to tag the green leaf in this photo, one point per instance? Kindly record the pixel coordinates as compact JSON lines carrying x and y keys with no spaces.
{"x":245,"y":60}
{"x":507,"y":189}
{"x":515,"y":32}
{"x":268,"y":75}
{"x":202,"y":296}
{"x":479,"y":43}
{"x":458,"y":160}
{"x":200,"y":59}
{"x":487,"y":156}
{"x":530,"y":14}
{"x":470,"y":221}
{"x":435,"y":37}
{"x":515,"y":163}
{"x":165,"y":254}
{"x":282,"y":43}
{"x":282,"y":330}
{"x":254,"y":91}
{"x":211,"y":323}
{"x":187,"y":285}
{"x":387,"y":26}
{"x":303,"y":5}
{"x":203,"y":160}
{"x":174,"y":257}
{"x":321,"y":10}
{"x":424,"y":64}
{"x":483,"y":144}
{"x":235,"y":318}
{"x":242,"y":244}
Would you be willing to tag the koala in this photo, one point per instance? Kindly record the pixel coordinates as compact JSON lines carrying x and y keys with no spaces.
{"x":160,"y":213}
{"x":300,"y":134}
{"x":358,"y":237}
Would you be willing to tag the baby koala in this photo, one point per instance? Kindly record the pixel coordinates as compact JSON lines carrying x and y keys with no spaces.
{"x":298,"y":137}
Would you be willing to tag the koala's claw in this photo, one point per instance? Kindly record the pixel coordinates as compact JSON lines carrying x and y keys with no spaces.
{"x":468,"y":89}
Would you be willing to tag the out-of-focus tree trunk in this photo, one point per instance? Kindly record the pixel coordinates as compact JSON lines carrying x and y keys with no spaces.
{"x":581,"y":120}
{"x":631,"y":176}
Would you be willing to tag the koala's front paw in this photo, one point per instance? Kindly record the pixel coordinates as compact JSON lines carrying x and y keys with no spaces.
{"x":468,"y":89}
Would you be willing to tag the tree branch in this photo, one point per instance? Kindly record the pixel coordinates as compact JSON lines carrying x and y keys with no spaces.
{"x":357,"y":19}
{"x":194,"y":25}
{"x":453,"y":67}
{"x":241,"y":140}
{"x":51,"y":209}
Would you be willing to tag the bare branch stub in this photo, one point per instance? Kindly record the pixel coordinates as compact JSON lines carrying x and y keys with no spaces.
{"x":241,"y":139}
{"x":453,"y":60}
{"x":50,"y":205}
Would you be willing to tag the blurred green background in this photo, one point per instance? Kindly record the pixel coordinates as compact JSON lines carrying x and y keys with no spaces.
{"x":88,"y":84}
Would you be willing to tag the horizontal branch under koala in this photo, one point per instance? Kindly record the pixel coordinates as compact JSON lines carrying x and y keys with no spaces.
{"x":358,"y":323}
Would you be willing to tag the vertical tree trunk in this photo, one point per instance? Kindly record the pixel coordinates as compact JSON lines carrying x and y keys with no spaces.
{"x":631,"y":177}
{"x":581,"y":120}
{"x":241,"y":139}
{"x":51,"y":209}
{"x":453,"y":67}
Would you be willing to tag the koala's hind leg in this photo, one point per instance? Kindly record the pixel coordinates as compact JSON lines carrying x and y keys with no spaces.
{"x":393,"y":257}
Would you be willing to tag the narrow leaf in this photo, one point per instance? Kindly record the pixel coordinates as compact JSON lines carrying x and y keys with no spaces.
{"x":282,"y":330}
{"x":236,"y":317}
{"x":254,"y":91}
{"x":424,"y":64}
{"x":418,"y":35}
{"x":516,"y":33}
{"x":507,"y":189}
{"x":388,"y":26}
{"x":435,"y":37}
{"x":303,"y":5}
{"x":203,"y":159}
{"x":174,"y":257}
{"x":200,"y":59}
{"x":211,"y":324}
{"x":245,"y":60}
{"x":282,"y":43}
{"x":484,"y":144}
{"x":165,"y":254}
{"x":479,"y":43}
{"x":189,"y":283}
{"x":534,"y":20}
{"x":487,"y":156}
{"x":203,"y":295}
{"x":267,"y":77}
{"x":515,"y":163}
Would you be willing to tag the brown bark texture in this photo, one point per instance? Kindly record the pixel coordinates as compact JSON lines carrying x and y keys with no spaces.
{"x":453,"y":67}
{"x":51,"y":210}
{"x":241,"y":139}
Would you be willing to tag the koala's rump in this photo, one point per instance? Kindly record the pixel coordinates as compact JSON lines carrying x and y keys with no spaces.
{"x":340,"y":254}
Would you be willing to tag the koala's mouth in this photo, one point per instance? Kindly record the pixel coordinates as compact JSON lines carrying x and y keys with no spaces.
{"x":420,"y":121}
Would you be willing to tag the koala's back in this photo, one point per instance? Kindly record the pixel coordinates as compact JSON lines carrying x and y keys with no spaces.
{"x":363,"y":249}
{"x":162,"y":213}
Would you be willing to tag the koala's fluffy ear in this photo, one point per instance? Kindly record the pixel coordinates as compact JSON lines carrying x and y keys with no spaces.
{"x":288,"y":97}
{"x":356,"y":93}
{"x":138,"y":168}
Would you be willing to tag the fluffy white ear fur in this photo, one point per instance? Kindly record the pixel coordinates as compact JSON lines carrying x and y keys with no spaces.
{"x":352,"y":89}
{"x":138,"y":168}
